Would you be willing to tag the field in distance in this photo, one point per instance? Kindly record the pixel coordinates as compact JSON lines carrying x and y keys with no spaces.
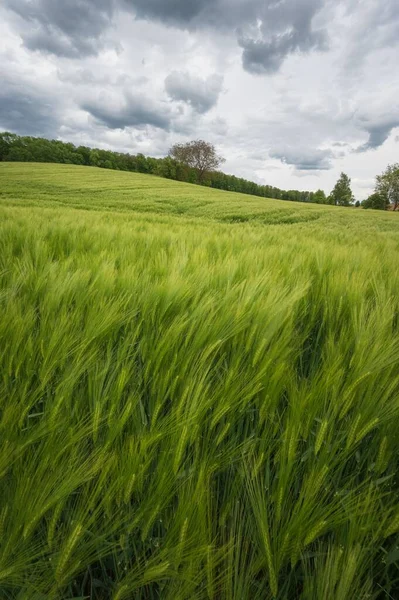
{"x":90,"y":188}
{"x":199,"y":392}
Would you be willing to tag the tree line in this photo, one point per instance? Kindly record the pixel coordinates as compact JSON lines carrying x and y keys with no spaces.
{"x":195,"y":162}
{"x":34,"y":149}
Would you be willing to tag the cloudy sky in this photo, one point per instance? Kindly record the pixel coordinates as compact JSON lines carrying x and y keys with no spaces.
{"x":292,"y":92}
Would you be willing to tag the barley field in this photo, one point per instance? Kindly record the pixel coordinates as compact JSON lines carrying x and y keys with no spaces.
{"x":199,"y":394}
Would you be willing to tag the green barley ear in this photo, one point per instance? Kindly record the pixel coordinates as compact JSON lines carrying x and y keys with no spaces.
{"x":258,"y":352}
{"x":67,"y":551}
{"x":129,"y":488}
{"x":349,"y":572}
{"x":120,"y":592}
{"x":320,"y":436}
{"x":258,"y":464}
{"x":269,"y":558}
{"x":366,"y":429}
{"x":316,"y":481}
{"x":349,"y":396}
{"x":122,"y":541}
{"x":279,"y":504}
{"x":149,"y":522}
{"x":315,"y":532}
{"x":352,"y":432}
{"x":382,"y":458}
{"x":292,"y":447}
{"x":53,"y":523}
{"x":393,"y":527}
{"x":156,"y":572}
{"x":223,"y":434}
{"x":295,"y":554}
{"x":181,"y":543}
{"x":285,"y":548}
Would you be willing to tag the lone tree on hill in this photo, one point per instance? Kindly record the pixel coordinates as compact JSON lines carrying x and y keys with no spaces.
{"x":199,"y":155}
{"x":387,"y":185}
{"x":342,"y":193}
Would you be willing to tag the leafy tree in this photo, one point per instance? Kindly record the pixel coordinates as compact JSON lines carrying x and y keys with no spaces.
{"x":319,"y":197}
{"x":142,"y":163}
{"x":387,"y":185}
{"x":197,"y":154}
{"x":84,"y":152}
{"x":6,"y":141}
{"x":166,"y":168}
{"x":357,"y":203}
{"x":94,"y":157}
{"x":376,"y":201}
{"x":342,"y":193}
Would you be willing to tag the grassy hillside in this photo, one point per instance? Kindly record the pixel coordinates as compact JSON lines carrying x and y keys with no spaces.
{"x":199,"y":395}
{"x":88,"y":188}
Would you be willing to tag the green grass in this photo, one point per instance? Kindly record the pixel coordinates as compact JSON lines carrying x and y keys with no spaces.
{"x":199,"y":393}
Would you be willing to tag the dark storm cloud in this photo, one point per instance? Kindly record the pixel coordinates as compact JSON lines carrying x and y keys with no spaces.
{"x":268,"y":31}
{"x":194,"y":14}
{"x":201,"y":94}
{"x":267,"y":57}
{"x":176,"y":12}
{"x":71,"y":28}
{"x":379,"y":133}
{"x":217,"y":14}
{"x":26,"y":111}
{"x":284,"y":28}
{"x":302,"y":159}
{"x":136,"y":111}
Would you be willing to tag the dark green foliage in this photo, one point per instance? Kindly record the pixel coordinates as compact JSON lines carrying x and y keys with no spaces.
{"x":320,"y":197}
{"x":6,"y":141}
{"x":376,"y":201}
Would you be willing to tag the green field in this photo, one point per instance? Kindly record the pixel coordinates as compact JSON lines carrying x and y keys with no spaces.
{"x":199,"y":392}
